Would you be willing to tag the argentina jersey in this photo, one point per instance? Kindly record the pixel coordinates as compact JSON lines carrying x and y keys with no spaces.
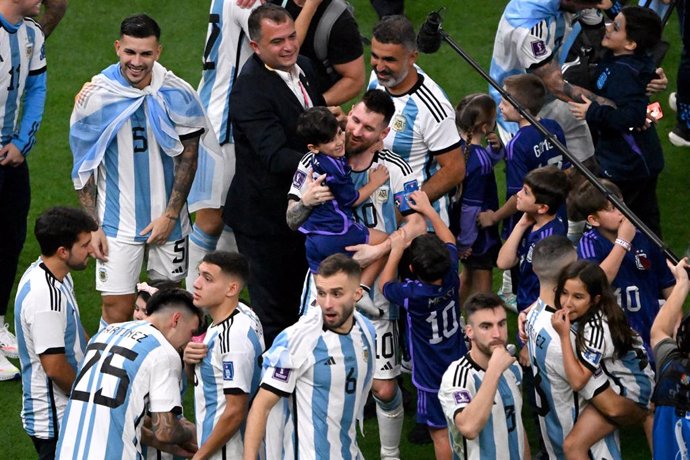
{"x":503,"y":436}
{"x":640,"y":281}
{"x":231,"y":366}
{"x":47,"y":321}
{"x":22,"y":56}
{"x":129,"y":369}
{"x":227,"y":49}
{"x":556,"y":404}
{"x":135,"y":181}
{"x":422,"y":127}
{"x":328,"y":391}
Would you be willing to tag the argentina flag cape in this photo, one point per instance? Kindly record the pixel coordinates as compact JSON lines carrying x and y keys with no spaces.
{"x":104,"y":104}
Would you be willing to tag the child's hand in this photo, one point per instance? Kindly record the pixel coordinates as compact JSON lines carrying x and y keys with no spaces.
{"x":523,"y":356}
{"x":486,"y":219}
{"x":680,"y":272}
{"x":525,"y":221}
{"x":419,"y":201}
{"x":494,"y":141}
{"x":561,"y":322}
{"x":379,"y":175}
{"x":464,"y":254}
{"x":521,"y":321}
{"x":626,"y":231}
{"x":579,"y":109}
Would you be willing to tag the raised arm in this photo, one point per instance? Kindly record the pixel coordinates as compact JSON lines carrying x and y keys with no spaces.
{"x":419,"y":201}
{"x":508,"y":254}
{"x":450,"y":174}
{"x":550,"y":73}
{"x":577,"y":374}
{"x":666,"y":321}
{"x":53,"y":11}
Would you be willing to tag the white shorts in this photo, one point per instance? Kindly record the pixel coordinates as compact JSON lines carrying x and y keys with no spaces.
{"x":120,"y":274}
{"x":388,"y":355}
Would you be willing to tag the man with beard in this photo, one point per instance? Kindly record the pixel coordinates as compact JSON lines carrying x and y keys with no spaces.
{"x":367,"y":126}
{"x":46,"y":317}
{"x":481,"y":392}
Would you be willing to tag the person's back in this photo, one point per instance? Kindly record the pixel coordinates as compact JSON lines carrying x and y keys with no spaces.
{"x":128,"y":368}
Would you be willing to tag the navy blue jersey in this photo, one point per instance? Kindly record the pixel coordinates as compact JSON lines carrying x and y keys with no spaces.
{"x":333,"y":217}
{"x":434,"y":334}
{"x":528,"y":284}
{"x":526,"y":151}
{"x":642,"y":276}
{"x":479,"y":193}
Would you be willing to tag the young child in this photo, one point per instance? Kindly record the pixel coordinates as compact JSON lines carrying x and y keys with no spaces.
{"x":331,"y":226}
{"x":603,"y":341}
{"x":542,"y":194}
{"x":628,"y":152}
{"x":435,"y":338}
{"x":525,"y":152}
{"x":635,"y":267}
{"x":478,"y":247}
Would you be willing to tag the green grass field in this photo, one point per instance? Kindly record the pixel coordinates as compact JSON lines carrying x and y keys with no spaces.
{"x":83,"y":45}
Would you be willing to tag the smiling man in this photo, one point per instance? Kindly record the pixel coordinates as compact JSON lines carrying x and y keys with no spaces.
{"x":325,"y":364}
{"x":272,"y":90}
{"x":136,"y":134}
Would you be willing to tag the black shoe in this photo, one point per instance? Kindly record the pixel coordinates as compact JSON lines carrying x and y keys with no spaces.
{"x":680,"y":136}
{"x":419,"y":435}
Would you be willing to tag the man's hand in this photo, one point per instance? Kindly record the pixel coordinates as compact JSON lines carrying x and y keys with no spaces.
{"x":337,"y":111}
{"x":486,"y":219}
{"x":579,"y":109}
{"x":10,"y":156}
{"x":316,"y":192}
{"x":523,"y":356}
{"x":99,"y":243}
{"x":658,"y":84}
{"x":365,"y":254}
{"x":500,"y":360}
{"x":160,"y":229}
{"x":561,"y":322}
{"x":194,"y":352}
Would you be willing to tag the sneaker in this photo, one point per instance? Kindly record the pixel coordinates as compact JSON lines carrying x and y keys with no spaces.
{"x":680,"y":136}
{"x":8,"y":342}
{"x":672,"y":102}
{"x":509,"y":299}
{"x":8,"y":371}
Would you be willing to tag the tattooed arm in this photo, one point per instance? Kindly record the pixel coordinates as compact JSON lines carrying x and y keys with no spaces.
{"x":167,"y":428}
{"x":53,"y":11}
{"x":87,"y":198}
{"x":551,"y":74}
{"x":161,"y":227}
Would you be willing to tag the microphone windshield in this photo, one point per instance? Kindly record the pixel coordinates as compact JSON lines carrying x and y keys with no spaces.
{"x":511,"y":349}
{"x":429,"y":36}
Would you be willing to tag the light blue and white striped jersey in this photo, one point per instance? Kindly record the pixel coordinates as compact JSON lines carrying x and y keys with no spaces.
{"x":129,"y":369}
{"x":227,"y":49}
{"x":46,"y":318}
{"x":231,"y":366}
{"x":135,"y":181}
{"x":377,"y":212}
{"x":503,"y":436}
{"x":22,"y":70}
{"x":529,"y":34}
{"x":423,"y":126}
{"x":630,"y":374}
{"x":327,"y":391}
{"x":557,"y":405}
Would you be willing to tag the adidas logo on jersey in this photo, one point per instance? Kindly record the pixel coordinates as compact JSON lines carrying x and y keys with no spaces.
{"x":330,"y":361}
{"x":178,"y":271}
{"x":387,"y":367}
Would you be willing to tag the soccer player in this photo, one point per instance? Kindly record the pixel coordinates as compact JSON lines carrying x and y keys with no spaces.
{"x":557,"y":405}
{"x":52,"y":340}
{"x":136,"y":134}
{"x":226,"y":364}
{"x":325,"y":364}
{"x":423,"y":129}
{"x":481,"y":392}
{"x":367,"y":126}
{"x":434,"y":336}
{"x":131,"y":368}
{"x":23,"y":85}
{"x":226,"y":51}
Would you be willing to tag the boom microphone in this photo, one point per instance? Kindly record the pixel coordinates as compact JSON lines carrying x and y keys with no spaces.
{"x":511,"y":349}
{"x":429,"y":36}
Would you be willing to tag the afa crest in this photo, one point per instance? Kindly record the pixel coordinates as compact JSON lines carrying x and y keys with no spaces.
{"x":398,"y":123}
{"x":29,"y":49}
{"x":381,"y":194}
{"x":102,"y":274}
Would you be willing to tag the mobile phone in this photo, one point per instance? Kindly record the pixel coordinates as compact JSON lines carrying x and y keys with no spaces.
{"x":654,"y":110}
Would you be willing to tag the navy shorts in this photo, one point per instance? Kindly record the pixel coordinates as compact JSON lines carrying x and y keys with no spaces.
{"x":321,"y":246}
{"x":429,"y":410}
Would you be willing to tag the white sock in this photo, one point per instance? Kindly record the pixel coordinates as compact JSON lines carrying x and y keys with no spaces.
{"x":200,"y":244}
{"x":390,"y":416}
{"x":227,"y":241}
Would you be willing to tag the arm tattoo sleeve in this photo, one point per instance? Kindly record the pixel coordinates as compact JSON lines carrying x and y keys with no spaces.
{"x":168,"y":429}
{"x":184,"y":175}
{"x":87,"y":197}
{"x":297,"y":214}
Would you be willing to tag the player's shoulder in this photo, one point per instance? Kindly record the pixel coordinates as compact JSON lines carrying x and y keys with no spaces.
{"x":431,"y":99}
{"x":34,"y":25}
{"x":459,"y":374}
{"x":393,"y":161}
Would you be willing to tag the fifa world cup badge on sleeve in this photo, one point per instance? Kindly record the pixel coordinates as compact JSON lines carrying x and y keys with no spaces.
{"x":281,"y":374}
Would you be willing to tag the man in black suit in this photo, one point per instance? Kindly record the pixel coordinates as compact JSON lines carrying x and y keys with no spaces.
{"x":268,"y":96}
